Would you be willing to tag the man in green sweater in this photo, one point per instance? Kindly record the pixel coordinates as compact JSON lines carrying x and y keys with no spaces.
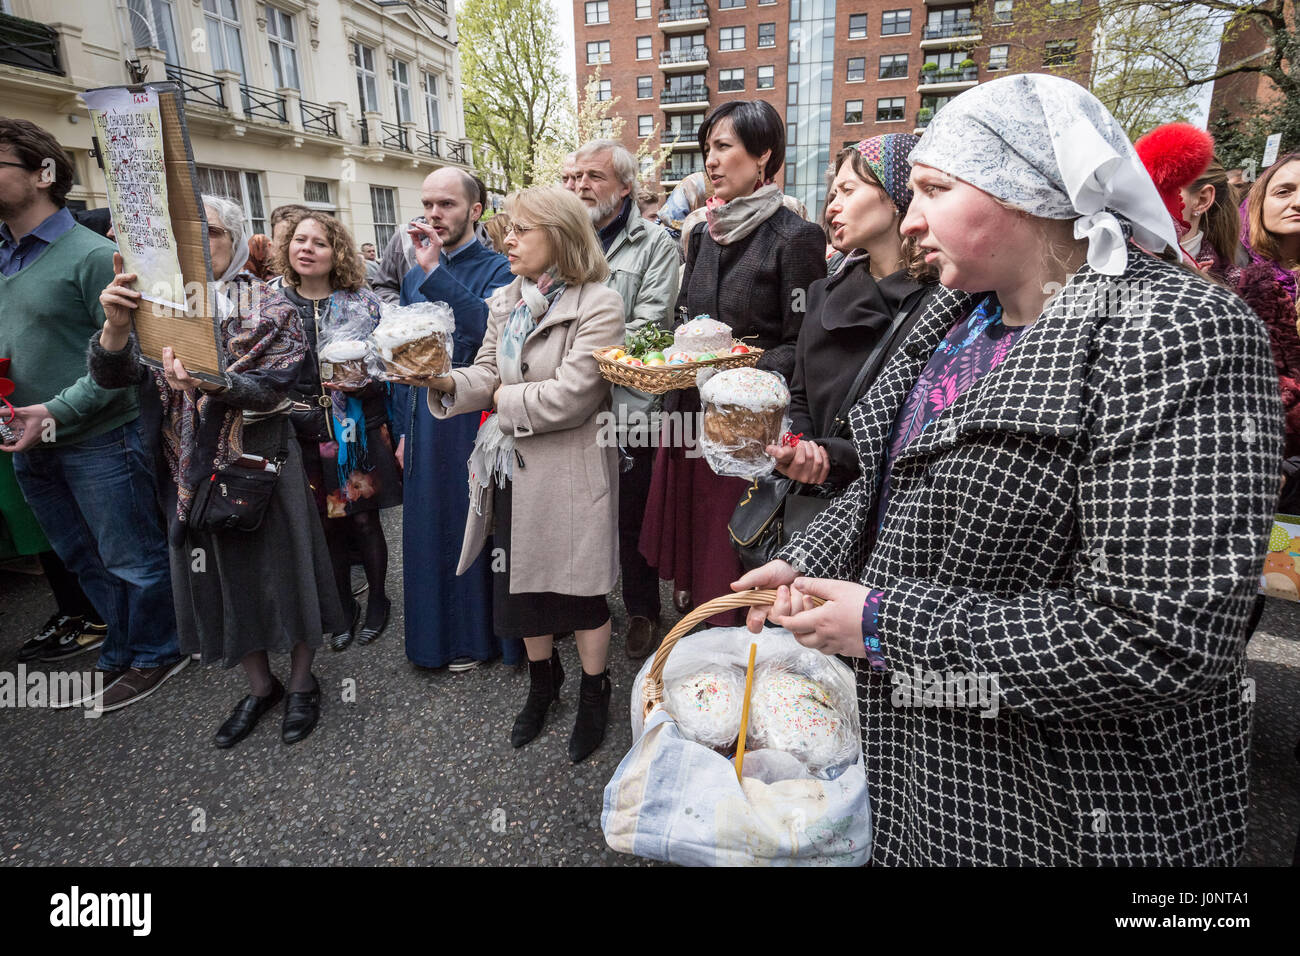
{"x":78,"y":455}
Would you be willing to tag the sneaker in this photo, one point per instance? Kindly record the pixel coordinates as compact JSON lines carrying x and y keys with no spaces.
{"x":56,"y":628}
{"x":137,"y":684}
{"x":463,"y":664}
{"x":87,"y":693}
{"x":87,"y":638}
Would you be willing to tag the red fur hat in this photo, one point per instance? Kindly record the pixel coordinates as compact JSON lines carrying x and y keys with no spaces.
{"x":1175,"y":156}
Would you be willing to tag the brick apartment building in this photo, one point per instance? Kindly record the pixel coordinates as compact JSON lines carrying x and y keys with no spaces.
{"x":1240,"y":94}
{"x":839,"y":72}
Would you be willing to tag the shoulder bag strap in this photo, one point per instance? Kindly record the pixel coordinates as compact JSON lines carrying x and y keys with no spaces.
{"x":911,"y":309}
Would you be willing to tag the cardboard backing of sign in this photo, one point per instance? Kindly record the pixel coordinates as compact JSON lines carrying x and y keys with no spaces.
{"x":193,"y":336}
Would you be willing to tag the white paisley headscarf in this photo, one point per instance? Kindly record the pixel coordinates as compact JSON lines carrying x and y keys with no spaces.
{"x":1046,"y":145}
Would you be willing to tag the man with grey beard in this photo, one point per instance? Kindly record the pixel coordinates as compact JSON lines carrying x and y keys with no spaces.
{"x":644,"y":269}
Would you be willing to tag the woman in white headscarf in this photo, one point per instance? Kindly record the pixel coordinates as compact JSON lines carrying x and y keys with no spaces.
{"x":1049,"y":559}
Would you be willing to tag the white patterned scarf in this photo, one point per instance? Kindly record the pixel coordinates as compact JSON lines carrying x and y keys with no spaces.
{"x":494,"y":450}
{"x":1049,"y":147}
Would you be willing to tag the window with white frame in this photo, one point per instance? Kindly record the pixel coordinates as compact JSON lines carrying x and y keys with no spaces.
{"x":642,"y":9}
{"x":367,"y":82}
{"x":597,"y":51}
{"x":998,"y":56}
{"x":1002,"y":11}
{"x":605,"y":90}
{"x":153,"y":24}
{"x":857,"y":71}
{"x":766,"y":78}
{"x":895,"y":23}
{"x":729,"y":81}
{"x":225,"y":42}
{"x":731,"y":4}
{"x":316,"y":194}
{"x":383,"y":210}
{"x":645,"y":125}
{"x":893,"y":66}
{"x":853,"y":112}
{"x":1061,"y":52}
{"x":597,"y":11}
{"x":432,"y":107}
{"x":731,"y":38}
{"x":399,"y":73}
{"x":643,"y":48}
{"x":890,"y":110}
{"x":767,"y":34}
{"x":243,"y":188}
{"x":644,"y":87}
{"x":284,"y":49}
{"x":605,"y":128}
{"x":857,"y":26}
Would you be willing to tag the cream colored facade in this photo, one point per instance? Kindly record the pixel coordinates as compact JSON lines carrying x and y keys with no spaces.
{"x":273,"y":93}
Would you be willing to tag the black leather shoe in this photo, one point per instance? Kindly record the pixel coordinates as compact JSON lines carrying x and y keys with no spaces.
{"x":246,"y":714}
{"x":369,"y":633}
{"x":301,"y":712}
{"x":593,"y":715}
{"x":545,"y":678}
{"x":341,"y":640}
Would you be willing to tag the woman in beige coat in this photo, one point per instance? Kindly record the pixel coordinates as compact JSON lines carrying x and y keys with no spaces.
{"x":539,"y":479}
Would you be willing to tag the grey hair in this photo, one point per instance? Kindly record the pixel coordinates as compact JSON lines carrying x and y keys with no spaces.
{"x":231,"y":217}
{"x":623,"y":160}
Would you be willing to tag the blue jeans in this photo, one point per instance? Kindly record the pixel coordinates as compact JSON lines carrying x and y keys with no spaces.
{"x":96,"y":502}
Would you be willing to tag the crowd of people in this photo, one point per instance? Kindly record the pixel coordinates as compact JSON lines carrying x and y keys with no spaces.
{"x":1006,"y":466}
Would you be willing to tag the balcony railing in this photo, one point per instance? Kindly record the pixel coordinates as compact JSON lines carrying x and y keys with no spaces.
{"x":262,"y":104}
{"x":687,"y":134}
{"x":456,"y":152}
{"x":668,"y":57}
{"x":960,"y":28}
{"x":684,"y":11}
{"x":673,"y":173}
{"x":317,"y":118}
{"x":692,"y":94}
{"x":951,"y":75}
{"x":438,"y":5}
{"x":427,"y":143}
{"x":30,"y":45}
{"x":198,"y":87}
{"x":393,"y":136}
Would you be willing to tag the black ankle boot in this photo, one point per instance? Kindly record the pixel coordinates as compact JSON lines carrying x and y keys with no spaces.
{"x":545,"y":678}
{"x":593,"y":714}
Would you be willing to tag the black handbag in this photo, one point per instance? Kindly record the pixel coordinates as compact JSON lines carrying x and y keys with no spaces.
{"x":235,"y":498}
{"x":772,"y":510}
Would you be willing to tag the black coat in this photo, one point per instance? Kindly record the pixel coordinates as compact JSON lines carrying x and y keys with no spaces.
{"x":850,"y":316}
{"x":758,"y":286}
{"x":1085,"y":525}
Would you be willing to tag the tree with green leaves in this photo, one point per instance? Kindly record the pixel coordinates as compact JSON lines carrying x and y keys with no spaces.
{"x":513,"y":89}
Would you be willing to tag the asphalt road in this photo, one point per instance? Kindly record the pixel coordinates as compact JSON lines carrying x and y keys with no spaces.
{"x":417,"y":770}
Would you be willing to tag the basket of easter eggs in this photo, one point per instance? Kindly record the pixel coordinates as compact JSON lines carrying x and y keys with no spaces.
{"x":655,"y":361}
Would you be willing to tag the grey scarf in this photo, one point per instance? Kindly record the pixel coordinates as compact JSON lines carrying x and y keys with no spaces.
{"x":734,"y":219}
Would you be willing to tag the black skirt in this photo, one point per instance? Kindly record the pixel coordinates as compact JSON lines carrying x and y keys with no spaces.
{"x":534,"y":613}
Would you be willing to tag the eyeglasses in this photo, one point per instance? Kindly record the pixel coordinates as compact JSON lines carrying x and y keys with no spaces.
{"x":519,"y":230}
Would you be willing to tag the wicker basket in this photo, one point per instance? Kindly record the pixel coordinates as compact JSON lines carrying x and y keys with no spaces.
{"x":652,"y":691}
{"x":658,"y":379}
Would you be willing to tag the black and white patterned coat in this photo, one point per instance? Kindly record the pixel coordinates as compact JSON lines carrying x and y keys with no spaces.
{"x":1086,"y":524}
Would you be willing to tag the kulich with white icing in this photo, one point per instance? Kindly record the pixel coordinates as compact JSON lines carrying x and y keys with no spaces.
{"x":702,"y":334}
{"x":344,"y":350}
{"x":744,"y":412}
{"x":706,"y":707}
{"x":794,"y":714}
{"x":344,"y":363}
{"x":746,"y":387}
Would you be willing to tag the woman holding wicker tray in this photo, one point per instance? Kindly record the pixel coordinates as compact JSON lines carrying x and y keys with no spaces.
{"x":749,"y":266}
{"x":537,"y":472}
{"x":1068,"y":477}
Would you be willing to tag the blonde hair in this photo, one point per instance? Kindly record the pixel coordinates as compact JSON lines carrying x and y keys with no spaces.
{"x":496,"y":229}
{"x":575,"y":251}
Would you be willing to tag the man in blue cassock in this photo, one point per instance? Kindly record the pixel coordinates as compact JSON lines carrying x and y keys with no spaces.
{"x":448,"y":618}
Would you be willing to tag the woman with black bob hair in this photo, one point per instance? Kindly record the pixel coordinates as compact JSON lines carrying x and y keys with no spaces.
{"x":749,"y":265}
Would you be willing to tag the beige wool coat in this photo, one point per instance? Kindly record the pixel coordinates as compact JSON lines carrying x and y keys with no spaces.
{"x":564,"y":526}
